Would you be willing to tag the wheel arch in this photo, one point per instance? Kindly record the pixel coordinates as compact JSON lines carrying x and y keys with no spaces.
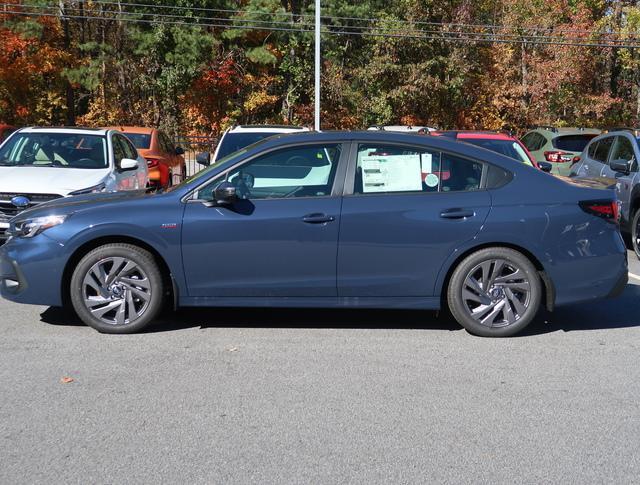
{"x":548,"y":294}
{"x":169,"y":281}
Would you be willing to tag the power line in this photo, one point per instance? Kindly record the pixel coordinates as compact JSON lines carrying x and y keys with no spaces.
{"x":446,"y":36}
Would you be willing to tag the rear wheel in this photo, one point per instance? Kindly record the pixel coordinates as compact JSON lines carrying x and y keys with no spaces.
{"x":117,"y":288}
{"x":635,"y":233}
{"x":494,"y":292}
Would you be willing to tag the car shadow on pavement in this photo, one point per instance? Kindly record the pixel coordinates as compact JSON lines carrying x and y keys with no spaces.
{"x":621,"y":312}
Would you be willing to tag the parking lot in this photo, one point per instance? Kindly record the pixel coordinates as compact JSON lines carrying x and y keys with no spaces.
{"x":261,"y":396}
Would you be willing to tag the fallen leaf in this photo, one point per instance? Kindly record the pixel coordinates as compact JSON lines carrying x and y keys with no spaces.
{"x":66,"y":380}
{"x":232,"y":349}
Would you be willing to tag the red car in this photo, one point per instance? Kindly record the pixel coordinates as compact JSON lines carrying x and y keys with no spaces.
{"x":5,"y":131}
{"x":496,"y":141}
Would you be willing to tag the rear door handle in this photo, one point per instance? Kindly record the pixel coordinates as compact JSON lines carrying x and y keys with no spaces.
{"x":457,"y":214}
{"x":317,"y":218}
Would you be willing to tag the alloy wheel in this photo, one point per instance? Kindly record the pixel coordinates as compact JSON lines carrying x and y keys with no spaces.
{"x":496,"y":293}
{"x":116,"y":291}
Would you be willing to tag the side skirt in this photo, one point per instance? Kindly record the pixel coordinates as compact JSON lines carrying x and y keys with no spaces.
{"x":405,"y":303}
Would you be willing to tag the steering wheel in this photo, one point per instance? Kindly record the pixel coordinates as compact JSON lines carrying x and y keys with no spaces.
{"x":298,"y":160}
{"x":243,"y":182}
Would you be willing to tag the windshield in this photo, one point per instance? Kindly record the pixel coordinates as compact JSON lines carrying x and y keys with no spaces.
{"x":203,"y":174}
{"x":139,"y":140}
{"x":509,"y":148}
{"x":232,"y":142}
{"x":62,"y":150}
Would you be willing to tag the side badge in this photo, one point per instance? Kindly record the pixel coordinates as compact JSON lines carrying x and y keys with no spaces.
{"x":169,"y":225}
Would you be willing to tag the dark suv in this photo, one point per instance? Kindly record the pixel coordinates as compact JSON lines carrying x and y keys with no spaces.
{"x":613,"y":156}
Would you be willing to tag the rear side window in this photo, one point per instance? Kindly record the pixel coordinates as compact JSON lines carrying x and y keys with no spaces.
{"x":498,"y":177}
{"x":592,"y":150}
{"x":602,"y":151}
{"x":572,"y":143}
{"x":397,"y":169}
{"x":534,"y":141}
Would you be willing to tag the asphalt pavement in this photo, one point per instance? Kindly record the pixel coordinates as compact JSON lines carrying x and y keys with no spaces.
{"x":291,"y":396}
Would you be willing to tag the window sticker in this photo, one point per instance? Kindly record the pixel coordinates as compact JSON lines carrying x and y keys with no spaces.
{"x":431,"y":180}
{"x":391,"y":173}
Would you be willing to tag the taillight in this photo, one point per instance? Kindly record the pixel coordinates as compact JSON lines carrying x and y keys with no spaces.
{"x":557,"y":156}
{"x":152,"y":162}
{"x":606,"y":209}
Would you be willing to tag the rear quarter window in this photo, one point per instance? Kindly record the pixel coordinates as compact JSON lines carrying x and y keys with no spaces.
{"x":497,"y":177}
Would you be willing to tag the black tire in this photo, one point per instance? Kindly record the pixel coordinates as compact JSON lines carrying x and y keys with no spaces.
{"x":133,"y":297}
{"x":635,"y":233}
{"x":513,"y":296}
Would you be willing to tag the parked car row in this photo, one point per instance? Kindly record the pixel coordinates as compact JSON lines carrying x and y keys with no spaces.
{"x":373,"y":219}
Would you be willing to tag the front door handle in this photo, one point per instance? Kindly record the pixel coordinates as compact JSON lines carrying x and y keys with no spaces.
{"x":457,"y":214}
{"x":317,"y":218}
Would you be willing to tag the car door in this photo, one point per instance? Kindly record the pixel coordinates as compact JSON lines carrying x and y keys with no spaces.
{"x":600,"y":159}
{"x":405,"y":211}
{"x":623,"y":149}
{"x":126,"y":179}
{"x":588,"y":166}
{"x":279,"y":238}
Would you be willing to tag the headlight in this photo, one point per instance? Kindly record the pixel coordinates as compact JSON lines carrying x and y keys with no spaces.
{"x":32,"y":227}
{"x":90,"y":190}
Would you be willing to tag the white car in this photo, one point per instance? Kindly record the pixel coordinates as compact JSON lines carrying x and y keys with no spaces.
{"x":242,"y":136}
{"x":41,"y":164}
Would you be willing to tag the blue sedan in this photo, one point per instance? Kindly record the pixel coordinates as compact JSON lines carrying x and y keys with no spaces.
{"x":343,"y":219}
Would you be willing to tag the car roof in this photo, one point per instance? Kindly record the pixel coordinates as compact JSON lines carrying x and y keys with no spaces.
{"x":475,"y":135}
{"x":64,"y":129}
{"x":132,"y":129}
{"x":566,"y":130}
{"x":267,"y":129}
{"x":400,"y":128}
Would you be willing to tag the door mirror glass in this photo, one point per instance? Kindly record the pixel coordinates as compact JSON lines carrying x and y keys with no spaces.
{"x":545,"y":166}
{"x":203,"y":158}
{"x":225,"y":193}
{"x":127,"y":164}
{"x":179,"y":151}
{"x":621,"y":166}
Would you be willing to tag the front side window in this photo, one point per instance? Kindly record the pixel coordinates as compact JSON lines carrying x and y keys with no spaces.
{"x":303,"y":171}
{"x":397,"y":169}
{"x":140,"y":140}
{"x":622,"y":149}
{"x":62,"y":150}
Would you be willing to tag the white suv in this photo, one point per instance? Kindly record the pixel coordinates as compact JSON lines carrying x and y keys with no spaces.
{"x":239,"y":137}
{"x":42,"y":164}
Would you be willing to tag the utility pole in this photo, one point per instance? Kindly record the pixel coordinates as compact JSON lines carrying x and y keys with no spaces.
{"x":317,"y":73}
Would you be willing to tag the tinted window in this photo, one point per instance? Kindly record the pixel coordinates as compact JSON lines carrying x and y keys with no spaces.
{"x":592,"y":149}
{"x":505,"y":147}
{"x":140,"y":140}
{"x":62,"y":150}
{"x":119,"y":151}
{"x":602,"y":151}
{"x":392,"y":169}
{"x":306,"y":171}
{"x":534,"y":141}
{"x":497,"y":177}
{"x":232,"y":142}
{"x":622,"y":149}
{"x":129,"y":149}
{"x":572,"y":143}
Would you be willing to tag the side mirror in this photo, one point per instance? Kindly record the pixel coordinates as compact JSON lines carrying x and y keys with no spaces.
{"x":621,"y":166}
{"x":179,"y":151}
{"x":225,"y":193}
{"x":204,"y":158}
{"x":127,"y":164}
{"x":545,"y":166}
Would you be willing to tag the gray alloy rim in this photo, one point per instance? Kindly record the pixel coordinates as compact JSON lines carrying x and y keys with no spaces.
{"x":116,"y":291}
{"x":496,"y":293}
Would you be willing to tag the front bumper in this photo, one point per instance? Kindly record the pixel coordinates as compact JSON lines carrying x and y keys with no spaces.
{"x":31,"y":271}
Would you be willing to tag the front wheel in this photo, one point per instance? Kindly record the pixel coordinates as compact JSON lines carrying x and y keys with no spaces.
{"x":494,"y":292}
{"x":117,"y":288}
{"x":635,"y":233}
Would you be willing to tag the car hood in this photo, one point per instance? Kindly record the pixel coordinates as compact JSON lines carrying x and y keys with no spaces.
{"x":69,"y":205}
{"x":48,"y":180}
